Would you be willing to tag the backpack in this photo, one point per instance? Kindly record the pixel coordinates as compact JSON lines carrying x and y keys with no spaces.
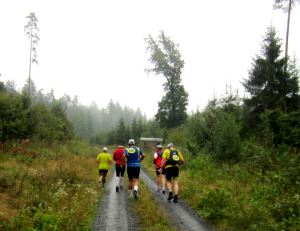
{"x":174,"y":158}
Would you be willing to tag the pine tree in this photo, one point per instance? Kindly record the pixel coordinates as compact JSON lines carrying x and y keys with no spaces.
{"x":271,"y":86}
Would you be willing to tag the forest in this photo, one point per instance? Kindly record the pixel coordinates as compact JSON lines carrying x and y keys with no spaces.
{"x":243,"y":153}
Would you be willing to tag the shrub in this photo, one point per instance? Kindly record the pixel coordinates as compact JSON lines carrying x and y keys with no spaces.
{"x":213,"y":204}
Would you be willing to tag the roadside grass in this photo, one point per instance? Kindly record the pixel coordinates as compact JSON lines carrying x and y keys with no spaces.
{"x":152,"y":216}
{"x":49,"y":187}
{"x":238,"y":196}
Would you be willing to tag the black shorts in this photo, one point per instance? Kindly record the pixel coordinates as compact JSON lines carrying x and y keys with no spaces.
{"x":133,"y":172}
{"x":172,"y":172}
{"x":120,"y":170}
{"x":162,"y":173}
{"x":103,"y":172}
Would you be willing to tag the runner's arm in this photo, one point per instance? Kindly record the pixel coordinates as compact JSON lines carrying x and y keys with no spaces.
{"x":181,"y":158}
{"x":163,"y":161}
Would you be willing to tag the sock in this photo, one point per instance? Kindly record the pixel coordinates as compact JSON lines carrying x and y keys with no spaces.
{"x":135,"y":188}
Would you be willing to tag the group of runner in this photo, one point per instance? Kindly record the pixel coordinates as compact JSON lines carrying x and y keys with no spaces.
{"x":166,"y":163}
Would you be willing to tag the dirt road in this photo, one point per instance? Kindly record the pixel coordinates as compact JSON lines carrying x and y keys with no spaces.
{"x":114,"y":214}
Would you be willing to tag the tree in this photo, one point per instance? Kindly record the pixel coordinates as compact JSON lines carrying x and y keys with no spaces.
{"x":270,"y":85}
{"x":31,"y":30}
{"x":286,"y":5}
{"x":167,"y":61}
{"x":122,"y":133}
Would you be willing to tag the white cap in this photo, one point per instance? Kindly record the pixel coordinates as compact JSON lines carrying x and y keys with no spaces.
{"x":158,"y":146}
{"x":131,"y":141}
{"x":105,"y":149}
{"x":170,"y":145}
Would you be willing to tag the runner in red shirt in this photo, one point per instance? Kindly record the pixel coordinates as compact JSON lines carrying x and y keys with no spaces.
{"x":160,"y":172}
{"x":120,"y":165}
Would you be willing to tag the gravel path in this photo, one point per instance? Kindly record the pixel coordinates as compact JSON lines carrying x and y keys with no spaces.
{"x":184,"y":218}
{"x":114,"y":214}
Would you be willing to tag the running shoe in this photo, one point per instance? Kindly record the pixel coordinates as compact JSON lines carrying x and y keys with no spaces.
{"x":135,"y":194}
{"x":163,"y":191}
{"x":175,"y":200}
{"x":170,"y":197}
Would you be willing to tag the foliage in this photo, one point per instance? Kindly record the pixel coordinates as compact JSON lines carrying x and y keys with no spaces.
{"x":242,"y":196}
{"x":152,"y":129}
{"x":58,"y":194}
{"x":154,"y":217}
{"x":14,"y":116}
{"x":213,"y":203}
{"x":94,"y":124}
{"x":217,"y":129}
{"x":22,"y":119}
{"x":270,"y":85}
{"x":167,"y":61}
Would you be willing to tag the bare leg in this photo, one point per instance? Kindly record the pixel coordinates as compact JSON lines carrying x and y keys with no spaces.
{"x":130,"y":184}
{"x":169,"y":185}
{"x":176,"y":187}
{"x":163,"y":181}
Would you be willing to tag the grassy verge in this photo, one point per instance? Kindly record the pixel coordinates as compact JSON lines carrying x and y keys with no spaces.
{"x":49,"y":187}
{"x":241,"y":196}
{"x":152,"y":216}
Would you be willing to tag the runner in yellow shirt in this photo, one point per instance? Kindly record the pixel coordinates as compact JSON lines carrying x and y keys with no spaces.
{"x":172,"y":158}
{"x":104,"y":159}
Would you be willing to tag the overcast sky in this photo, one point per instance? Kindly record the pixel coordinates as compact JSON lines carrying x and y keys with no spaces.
{"x":96,"y":49}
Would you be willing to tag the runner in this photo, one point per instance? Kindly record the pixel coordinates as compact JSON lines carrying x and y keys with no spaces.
{"x":104,"y":159}
{"x":120,"y":166}
{"x":160,"y":172}
{"x":134,"y":156}
{"x":172,"y":158}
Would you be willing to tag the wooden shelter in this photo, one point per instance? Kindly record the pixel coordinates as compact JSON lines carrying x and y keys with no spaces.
{"x":147,"y":142}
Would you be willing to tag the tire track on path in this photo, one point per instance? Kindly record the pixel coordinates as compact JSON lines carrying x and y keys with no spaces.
{"x":183,"y":217}
{"x":113,"y":213}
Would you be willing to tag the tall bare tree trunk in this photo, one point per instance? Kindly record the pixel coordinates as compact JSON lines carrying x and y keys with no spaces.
{"x":29,"y":80}
{"x":287,"y":33}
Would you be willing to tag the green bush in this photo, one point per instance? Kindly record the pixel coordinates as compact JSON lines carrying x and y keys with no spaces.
{"x":214,"y":203}
{"x":226,"y":139}
{"x":46,"y":221}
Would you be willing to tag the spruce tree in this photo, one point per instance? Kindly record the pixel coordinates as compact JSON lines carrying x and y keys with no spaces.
{"x":271,"y":86}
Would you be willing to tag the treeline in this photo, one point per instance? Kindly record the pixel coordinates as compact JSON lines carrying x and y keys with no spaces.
{"x":243,"y":153}
{"x":106,"y":125}
{"x":268,"y":116}
{"x":23,"y":117}
{"x":42,"y":117}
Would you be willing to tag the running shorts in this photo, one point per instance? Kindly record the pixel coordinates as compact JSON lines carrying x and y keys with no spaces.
{"x":172,"y":172}
{"x":120,"y":170}
{"x":133,"y":172}
{"x":103,"y":172}
{"x":162,"y":173}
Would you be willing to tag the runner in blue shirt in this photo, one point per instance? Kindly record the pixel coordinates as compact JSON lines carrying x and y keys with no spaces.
{"x":134,"y":156}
